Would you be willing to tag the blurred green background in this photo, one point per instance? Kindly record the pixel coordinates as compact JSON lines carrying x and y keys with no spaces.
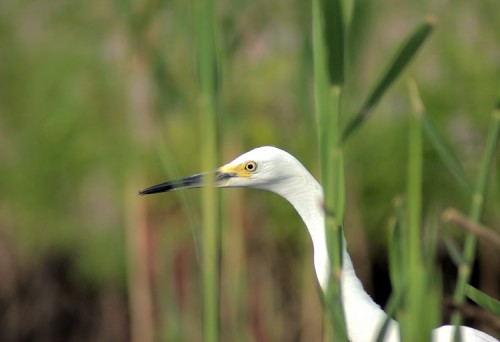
{"x":99,"y":100}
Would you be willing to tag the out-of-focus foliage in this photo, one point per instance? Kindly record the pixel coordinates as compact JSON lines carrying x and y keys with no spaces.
{"x":63,"y":132}
{"x":91,"y":92}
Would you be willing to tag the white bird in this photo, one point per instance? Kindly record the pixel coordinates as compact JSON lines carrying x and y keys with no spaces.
{"x":269,"y":168}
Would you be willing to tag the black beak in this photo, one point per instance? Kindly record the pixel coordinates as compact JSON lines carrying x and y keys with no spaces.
{"x":190,"y":182}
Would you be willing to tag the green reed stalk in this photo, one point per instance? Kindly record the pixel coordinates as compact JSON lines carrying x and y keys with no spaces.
{"x":475,"y":213}
{"x":483,"y":300}
{"x":328,"y":57}
{"x":205,"y":30}
{"x":415,"y":163}
{"x":411,"y":315}
{"x":396,"y":264}
{"x":445,"y":152}
{"x":398,"y":64}
{"x":329,"y":19}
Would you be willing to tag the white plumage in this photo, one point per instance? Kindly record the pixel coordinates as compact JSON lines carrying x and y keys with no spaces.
{"x":269,"y":168}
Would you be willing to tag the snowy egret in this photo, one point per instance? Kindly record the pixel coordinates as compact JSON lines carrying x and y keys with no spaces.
{"x":272,"y":169}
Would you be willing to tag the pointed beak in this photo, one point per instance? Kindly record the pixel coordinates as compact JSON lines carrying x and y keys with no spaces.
{"x":190,"y":182}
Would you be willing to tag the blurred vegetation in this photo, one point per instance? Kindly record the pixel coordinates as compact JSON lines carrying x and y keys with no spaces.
{"x":99,"y":99}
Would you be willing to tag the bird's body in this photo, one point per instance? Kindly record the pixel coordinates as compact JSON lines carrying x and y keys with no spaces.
{"x":272,"y":169}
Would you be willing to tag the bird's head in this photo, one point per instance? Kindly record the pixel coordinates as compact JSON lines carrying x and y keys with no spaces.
{"x":261,"y":168}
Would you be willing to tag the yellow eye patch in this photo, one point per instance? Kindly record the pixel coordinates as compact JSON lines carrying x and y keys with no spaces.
{"x":241,"y":170}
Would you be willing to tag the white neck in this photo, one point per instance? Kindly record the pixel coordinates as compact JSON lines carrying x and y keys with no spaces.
{"x":363,"y":316}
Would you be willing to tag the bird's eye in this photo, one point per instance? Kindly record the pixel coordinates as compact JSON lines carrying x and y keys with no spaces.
{"x":251,"y":166}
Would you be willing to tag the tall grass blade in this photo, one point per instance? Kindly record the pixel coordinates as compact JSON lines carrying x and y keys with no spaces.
{"x":334,"y":39}
{"x":419,"y":313}
{"x":414,"y":268}
{"x":397,"y":233}
{"x":405,"y":54}
{"x":475,"y":213}
{"x":397,"y":264}
{"x":454,"y":252}
{"x":481,"y":298}
{"x":348,"y":10}
{"x":415,"y":165}
{"x":206,"y":30}
{"x":321,"y":91}
{"x":445,"y":152}
{"x":328,"y":79}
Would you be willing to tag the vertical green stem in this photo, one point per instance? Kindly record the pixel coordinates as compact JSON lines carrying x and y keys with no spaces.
{"x":475,"y":213}
{"x":414,"y":182}
{"x":211,"y":243}
{"x":205,"y":28}
{"x":334,"y":202}
{"x":420,"y":305}
{"x":328,"y":76}
{"x":414,"y":268}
